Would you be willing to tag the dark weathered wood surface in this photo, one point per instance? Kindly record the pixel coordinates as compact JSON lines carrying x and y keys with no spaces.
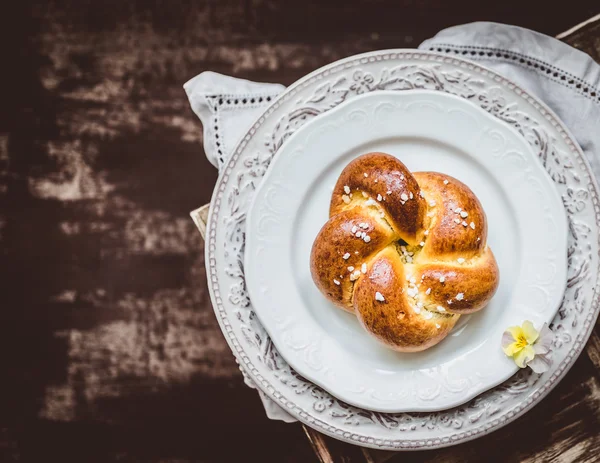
{"x":110,"y":350}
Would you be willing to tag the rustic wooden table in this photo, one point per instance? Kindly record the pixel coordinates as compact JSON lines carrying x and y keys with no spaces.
{"x":110,"y":350}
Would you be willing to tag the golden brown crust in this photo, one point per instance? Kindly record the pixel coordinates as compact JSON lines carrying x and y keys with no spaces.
{"x":384,"y":173}
{"x":394,"y":320}
{"x":407,"y":253}
{"x":337,"y":239}
{"x":466,"y":287}
{"x":449,"y":232}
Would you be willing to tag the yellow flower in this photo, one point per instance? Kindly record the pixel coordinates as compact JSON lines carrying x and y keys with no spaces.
{"x":518,"y":341}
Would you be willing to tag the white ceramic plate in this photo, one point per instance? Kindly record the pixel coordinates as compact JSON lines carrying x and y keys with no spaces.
{"x":319,"y":92}
{"x":427,"y":131}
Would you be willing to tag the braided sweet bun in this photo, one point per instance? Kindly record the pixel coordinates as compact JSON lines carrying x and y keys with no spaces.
{"x":406,"y":253}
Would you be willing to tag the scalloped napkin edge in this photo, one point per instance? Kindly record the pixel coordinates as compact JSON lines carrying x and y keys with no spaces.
{"x":564,"y":78}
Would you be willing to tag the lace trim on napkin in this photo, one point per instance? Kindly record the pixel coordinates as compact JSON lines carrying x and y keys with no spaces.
{"x":232,"y":102}
{"x":550,"y":71}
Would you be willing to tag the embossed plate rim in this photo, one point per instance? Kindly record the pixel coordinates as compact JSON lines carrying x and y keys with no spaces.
{"x":440,"y":429}
{"x":348,"y":390}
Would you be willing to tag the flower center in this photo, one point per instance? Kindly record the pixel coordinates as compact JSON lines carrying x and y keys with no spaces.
{"x":521,"y":342}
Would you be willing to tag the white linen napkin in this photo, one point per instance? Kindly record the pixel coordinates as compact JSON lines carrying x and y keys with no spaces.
{"x":566,"y":79}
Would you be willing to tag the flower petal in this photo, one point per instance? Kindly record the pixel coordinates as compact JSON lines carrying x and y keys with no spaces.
{"x":507,"y":339}
{"x":512,"y":349}
{"x":515,"y":332}
{"x":524,"y":356}
{"x":544,"y":343}
{"x":531,"y":334}
{"x":539,"y":363}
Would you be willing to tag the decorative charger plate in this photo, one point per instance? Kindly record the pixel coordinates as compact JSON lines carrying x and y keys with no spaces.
{"x":426,"y":130}
{"x":322,"y":90}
